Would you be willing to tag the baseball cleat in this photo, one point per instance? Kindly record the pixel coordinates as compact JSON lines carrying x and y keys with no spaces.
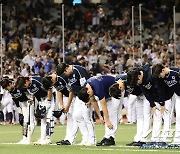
{"x":23,"y":141}
{"x":63,"y":142}
{"x":106,"y":142}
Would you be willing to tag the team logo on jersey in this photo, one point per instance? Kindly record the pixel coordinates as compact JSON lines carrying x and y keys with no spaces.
{"x":17,"y":94}
{"x":72,"y":80}
{"x":171,"y":82}
{"x":148,"y":86}
{"x":60,"y":87}
{"x":34,"y":89}
{"x":129,"y":89}
{"x":68,"y":86}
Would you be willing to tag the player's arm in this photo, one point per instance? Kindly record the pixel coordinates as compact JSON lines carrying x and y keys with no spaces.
{"x":149,"y":97}
{"x":60,"y":98}
{"x":106,"y":114}
{"x":49,"y":94}
{"x":96,"y":107}
{"x":70,"y":98}
{"x":16,"y":102}
{"x":47,"y":103}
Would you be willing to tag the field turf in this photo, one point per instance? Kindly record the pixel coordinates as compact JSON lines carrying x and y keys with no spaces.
{"x":12,"y":134}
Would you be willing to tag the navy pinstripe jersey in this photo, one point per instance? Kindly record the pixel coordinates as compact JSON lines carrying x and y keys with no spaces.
{"x":101,"y":85}
{"x":77,"y":79}
{"x":150,"y":87}
{"x":36,"y":88}
{"x":128,"y":90}
{"x":18,"y":96}
{"x":61,"y":85}
{"x":172,"y":80}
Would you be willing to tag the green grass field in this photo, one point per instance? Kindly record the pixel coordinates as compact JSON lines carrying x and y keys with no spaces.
{"x":12,"y":134}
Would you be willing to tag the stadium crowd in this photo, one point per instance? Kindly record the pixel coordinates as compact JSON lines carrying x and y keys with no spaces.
{"x":97,"y":37}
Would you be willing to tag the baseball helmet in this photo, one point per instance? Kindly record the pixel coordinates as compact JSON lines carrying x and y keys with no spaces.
{"x":40,"y":112}
{"x":57,"y":114}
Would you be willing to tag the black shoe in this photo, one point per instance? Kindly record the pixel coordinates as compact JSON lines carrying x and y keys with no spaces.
{"x":110,"y":141}
{"x":63,"y":142}
{"x":106,"y":142}
{"x":102,"y":141}
{"x":59,"y":142}
{"x":131,"y":144}
{"x":139,"y":143}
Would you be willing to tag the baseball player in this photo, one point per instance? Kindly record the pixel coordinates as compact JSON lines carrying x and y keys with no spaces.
{"x":99,"y":86}
{"x":35,"y":88}
{"x":20,"y":99}
{"x":142,"y":109}
{"x":158,"y":96}
{"x":170,"y":77}
{"x":60,"y":83}
{"x":82,"y":115}
{"x":6,"y":101}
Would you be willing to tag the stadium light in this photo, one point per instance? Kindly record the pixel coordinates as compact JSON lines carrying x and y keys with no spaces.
{"x":174,"y":16}
{"x":133,"y":32}
{"x":63,"y":32}
{"x":140,"y":31}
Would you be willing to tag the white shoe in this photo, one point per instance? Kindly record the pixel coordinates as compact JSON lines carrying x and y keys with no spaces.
{"x":37,"y":142}
{"x":80,"y":143}
{"x":86,"y":144}
{"x":48,"y":140}
{"x":23,"y":141}
{"x":43,"y":142}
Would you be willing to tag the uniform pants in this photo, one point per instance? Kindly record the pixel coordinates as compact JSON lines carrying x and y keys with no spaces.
{"x":69,"y":124}
{"x":25,"y":112}
{"x":82,"y":119}
{"x":131,"y":108}
{"x":177,"y":108}
{"x":48,"y":118}
{"x":157,"y":123}
{"x":147,"y":120}
{"x":143,"y":118}
{"x":113,"y":106}
{"x":8,"y":103}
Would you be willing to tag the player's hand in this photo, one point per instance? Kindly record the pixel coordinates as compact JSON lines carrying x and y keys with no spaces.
{"x":66,"y":109}
{"x":109,"y":125}
{"x":61,"y":106}
{"x":101,"y":120}
{"x":154,"y":110}
{"x":163,"y":109}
